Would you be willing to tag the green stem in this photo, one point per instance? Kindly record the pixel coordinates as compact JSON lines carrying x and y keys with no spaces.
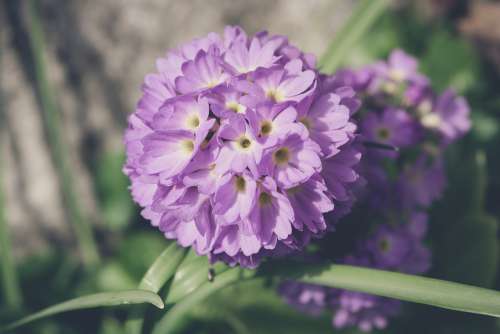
{"x":81,"y":228}
{"x":10,"y":284}
{"x":363,"y":17}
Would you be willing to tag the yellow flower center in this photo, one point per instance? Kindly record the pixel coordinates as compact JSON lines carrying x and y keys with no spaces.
{"x":384,"y":245}
{"x":236,"y":107}
{"x":424,"y":108}
{"x":193,"y":122}
{"x":275,"y":95}
{"x":307,"y":122}
{"x":244,"y":143}
{"x":265,"y":199}
{"x":187,"y":146}
{"x":266,"y":127}
{"x":281,"y":156}
{"x":397,"y":74}
{"x":431,"y":121}
{"x":240,"y":184}
{"x":212,"y":84}
{"x":383,"y":133}
{"x":293,"y":191}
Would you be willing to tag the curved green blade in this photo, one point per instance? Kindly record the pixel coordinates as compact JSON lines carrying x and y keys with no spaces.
{"x":417,"y":289}
{"x":190,"y":275}
{"x":164,"y":267}
{"x":90,"y":301}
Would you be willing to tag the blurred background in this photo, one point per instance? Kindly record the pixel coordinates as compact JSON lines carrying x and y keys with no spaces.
{"x":70,"y":73}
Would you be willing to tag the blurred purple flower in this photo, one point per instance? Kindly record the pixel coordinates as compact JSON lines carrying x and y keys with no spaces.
{"x":450,"y":116}
{"x":393,"y":127}
{"x":397,"y":83}
{"x":392,"y":188}
{"x":421,"y":182}
{"x":389,"y":247}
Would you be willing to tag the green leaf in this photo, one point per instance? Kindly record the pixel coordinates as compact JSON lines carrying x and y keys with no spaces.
{"x":91,"y":301}
{"x":192,"y":273}
{"x":171,"y":322}
{"x":157,"y":275}
{"x":463,"y":236}
{"x":466,"y":190}
{"x":484,"y":126}
{"x":470,"y":251}
{"x":450,"y":61}
{"x":365,"y":14}
{"x":423,"y":290}
{"x":163,"y":268}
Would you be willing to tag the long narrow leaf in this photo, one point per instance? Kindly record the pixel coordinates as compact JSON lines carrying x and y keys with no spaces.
{"x":91,"y":301}
{"x":82,"y":229}
{"x":423,"y":290}
{"x":365,"y":14}
{"x":158,"y":274}
{"x":10,"y":285}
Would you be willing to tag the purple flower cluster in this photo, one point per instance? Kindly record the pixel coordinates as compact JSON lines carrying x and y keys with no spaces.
{"x":390,"y":247}
{"x":396,"y":247}
{"x":394,"y":88}
{"x":238,"y":147}
{"x":399,"y":110}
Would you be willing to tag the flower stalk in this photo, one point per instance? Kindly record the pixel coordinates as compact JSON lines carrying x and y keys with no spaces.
{"x":10,"y":283}
{"x":365,"y":14}
{"x":52,"y":123}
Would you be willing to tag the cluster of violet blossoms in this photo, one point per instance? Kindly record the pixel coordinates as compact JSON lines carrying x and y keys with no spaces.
{"x":238,"y":147}
{"x":399,"y":110}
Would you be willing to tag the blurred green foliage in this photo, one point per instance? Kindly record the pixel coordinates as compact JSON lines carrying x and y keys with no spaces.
{"x":111,"y":186}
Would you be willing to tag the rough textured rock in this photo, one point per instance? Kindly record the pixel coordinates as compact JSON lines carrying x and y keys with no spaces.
{"x":97,"y":53}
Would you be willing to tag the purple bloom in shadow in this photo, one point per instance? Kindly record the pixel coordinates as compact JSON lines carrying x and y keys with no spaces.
{"x":393,"y":127}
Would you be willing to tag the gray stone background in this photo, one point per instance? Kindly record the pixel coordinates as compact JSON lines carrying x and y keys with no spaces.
{"x":97,"y":54}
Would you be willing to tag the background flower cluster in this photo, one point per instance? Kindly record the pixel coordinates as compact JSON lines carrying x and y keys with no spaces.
{"x":404,"y":129}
